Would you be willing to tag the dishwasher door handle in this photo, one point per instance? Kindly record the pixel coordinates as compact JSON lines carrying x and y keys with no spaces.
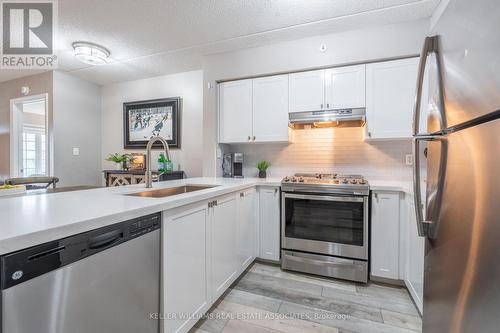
{"x":106,"y":239}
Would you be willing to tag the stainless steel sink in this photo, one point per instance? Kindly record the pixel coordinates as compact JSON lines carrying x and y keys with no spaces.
{"x":166,"y":192}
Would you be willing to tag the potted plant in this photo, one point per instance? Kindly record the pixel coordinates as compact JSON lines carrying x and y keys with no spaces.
{"x":262,"y":166}
{"x":119,"y":159}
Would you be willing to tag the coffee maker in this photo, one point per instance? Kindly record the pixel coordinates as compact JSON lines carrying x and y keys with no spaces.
{"x":232,"y":165}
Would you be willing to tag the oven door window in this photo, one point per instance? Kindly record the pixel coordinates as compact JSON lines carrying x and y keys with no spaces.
{"x":324,"y":220}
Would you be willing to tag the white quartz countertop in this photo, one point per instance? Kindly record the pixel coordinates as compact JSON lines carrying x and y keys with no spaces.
{"x":35,"y":219}
{"x":391,"y":185}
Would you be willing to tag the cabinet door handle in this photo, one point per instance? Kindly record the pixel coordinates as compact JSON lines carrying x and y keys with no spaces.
{"x":254,"y":138}
{"x":321,"y":105}
{"x":216,"y":202}
{"x":370,"y":134}
{"x":275,"y":191}
{"x":242,"y":195}
{"x":249,"y":138}
{"x":327,"y":105}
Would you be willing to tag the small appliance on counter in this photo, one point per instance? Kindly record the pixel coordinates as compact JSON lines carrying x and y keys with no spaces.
{"x":232,"y":165}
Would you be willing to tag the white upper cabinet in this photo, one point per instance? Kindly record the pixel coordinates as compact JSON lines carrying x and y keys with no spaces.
{"x":390,"y":96}
{"x":270,"y":109}
{"x":306,"y":91}
{"x":345,"y":87}
{"x":254,"y":110}
{"x":235,"y":111}
{"x":334,"y":88}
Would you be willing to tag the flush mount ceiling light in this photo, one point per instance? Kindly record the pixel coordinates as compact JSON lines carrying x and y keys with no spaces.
{"x":91,"y":53}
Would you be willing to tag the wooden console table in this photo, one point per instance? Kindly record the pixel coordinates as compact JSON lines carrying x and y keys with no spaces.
{"x":130,"y":177}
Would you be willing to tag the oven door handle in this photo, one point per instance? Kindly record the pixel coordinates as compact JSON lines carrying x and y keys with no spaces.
{"x":323,"y":197}
{"x":344,"y":262}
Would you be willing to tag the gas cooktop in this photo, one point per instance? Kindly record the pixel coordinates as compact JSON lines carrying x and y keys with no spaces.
{"x":326,"y":183}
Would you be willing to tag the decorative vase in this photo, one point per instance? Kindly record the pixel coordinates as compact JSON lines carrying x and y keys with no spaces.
{"x":118,"y":166}
{"x":262,"y":174}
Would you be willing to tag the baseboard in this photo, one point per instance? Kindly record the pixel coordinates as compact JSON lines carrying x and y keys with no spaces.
{"x":267,"y":261}
{"x":393,"y":282}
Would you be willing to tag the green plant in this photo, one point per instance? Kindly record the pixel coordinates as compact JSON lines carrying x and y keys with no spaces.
{"x":263,"y":165}
{"x":162,"y":158}
{"x":118,"y":158}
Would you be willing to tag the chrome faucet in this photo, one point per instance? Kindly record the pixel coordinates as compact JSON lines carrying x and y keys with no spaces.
{"x":149,"y":174}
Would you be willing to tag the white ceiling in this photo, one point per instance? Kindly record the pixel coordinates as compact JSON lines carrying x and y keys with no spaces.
{"x":154,"y":37}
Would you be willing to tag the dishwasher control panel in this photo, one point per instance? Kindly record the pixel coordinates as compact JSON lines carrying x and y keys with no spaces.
{"x":145,"y":224}
{"x":23,"y":265}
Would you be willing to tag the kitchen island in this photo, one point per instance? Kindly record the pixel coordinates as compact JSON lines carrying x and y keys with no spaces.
{"x":30,"y":220}
{"x":208,"y":238}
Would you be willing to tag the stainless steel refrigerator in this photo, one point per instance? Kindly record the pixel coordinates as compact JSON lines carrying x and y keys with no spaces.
{"x":457,"y":169}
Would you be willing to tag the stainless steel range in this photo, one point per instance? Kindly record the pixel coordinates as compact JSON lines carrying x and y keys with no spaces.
{"x":324,"y":225}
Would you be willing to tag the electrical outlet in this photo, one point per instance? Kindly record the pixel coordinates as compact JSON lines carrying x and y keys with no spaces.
{"x":409,"y":159}
{"x":76,"y":151}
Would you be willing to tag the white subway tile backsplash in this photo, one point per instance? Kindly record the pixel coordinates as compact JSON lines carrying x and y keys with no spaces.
{"x":328,"y":149}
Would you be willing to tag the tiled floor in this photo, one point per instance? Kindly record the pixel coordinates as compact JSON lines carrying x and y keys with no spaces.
{"x":267,"y":299}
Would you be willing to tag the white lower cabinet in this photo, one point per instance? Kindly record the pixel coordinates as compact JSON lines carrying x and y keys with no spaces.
{"x":385,"y":234}
{"x":415,"y":252}
{"x":269,"y":226}
{"x":223,"y":244}
{"x":247,"y":228}
{"x":397,"y":252}
{"x":207,"y":245}
{"x":184,"y":261}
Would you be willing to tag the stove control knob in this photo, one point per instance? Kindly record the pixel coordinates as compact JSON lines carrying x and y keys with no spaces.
{"x":354,"y":181}
{"x":301,"y":180}
{"x":294,"y":180}
{"x":286,"y":179}
{"x":362,"y":181}
{"x":344,"y":181}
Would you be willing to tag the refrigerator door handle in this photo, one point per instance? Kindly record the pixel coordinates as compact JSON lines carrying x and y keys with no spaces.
{"x":423,"y":226}
{"x":431,"y":45}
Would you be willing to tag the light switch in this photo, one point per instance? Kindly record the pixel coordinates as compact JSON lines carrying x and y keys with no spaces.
{"x":409,"y":159}
{"x":76,"y":151}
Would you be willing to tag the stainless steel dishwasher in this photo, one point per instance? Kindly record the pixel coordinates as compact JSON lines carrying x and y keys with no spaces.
{"x":105,"y":280}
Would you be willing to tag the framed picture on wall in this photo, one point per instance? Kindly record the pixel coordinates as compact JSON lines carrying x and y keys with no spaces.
{"x":144,"y":119}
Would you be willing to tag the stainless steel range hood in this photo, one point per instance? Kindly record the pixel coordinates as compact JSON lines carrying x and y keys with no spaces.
{"x":329,"y":118}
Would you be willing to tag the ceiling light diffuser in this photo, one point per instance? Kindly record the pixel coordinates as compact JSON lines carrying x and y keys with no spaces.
{"x":90,"y":53}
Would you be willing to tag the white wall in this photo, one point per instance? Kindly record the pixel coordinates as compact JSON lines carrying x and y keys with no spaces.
{"x":76,"y":124}
{"x":327,"y":150}
{"x":188,"y":86}
{"x":348,"y":47}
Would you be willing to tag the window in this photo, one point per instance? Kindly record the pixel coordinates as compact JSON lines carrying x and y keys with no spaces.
{"x":34,"y":152}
